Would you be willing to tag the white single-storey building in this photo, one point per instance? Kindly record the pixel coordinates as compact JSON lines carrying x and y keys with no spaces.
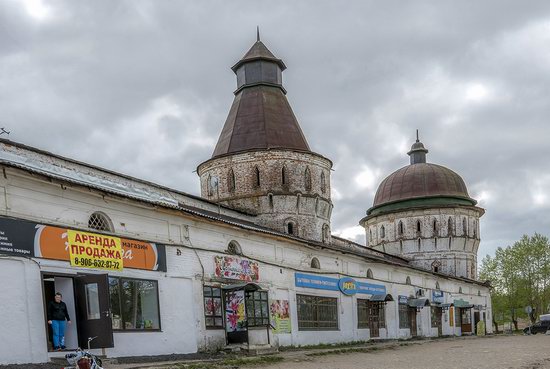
{"x":148,"y":270}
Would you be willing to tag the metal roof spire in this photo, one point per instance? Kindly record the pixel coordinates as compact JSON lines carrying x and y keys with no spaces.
{"x":418,"y":151}
{"x":417,"y":139}
{"x":257,"y":33}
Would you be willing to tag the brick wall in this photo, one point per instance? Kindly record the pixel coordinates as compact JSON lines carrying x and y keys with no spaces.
{"x":279,"y":186}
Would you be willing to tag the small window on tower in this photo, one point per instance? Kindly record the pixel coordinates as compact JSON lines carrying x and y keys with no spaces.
{"x":257,"y":176}
{"x":401,"y":228}
{"x":284,"y":179}
{"x":323,"y":183}
{"x":307,"y":179}
{"x":435,"y":226}
{"x":382,"y":232}
{"x":464,"y":226}
{"x":231,"y":180}
{"x":291,"y":228}
{"x":418,"y":226}
{"x":450,"y":227}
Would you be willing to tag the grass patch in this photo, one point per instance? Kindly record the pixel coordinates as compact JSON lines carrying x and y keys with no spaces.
{"x":324,"y":346}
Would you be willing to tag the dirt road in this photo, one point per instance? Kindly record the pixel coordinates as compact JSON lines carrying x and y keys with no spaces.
{"x":524,"y":352}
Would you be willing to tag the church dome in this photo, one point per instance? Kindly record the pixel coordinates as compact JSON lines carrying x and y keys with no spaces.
{"x":420,"y":184}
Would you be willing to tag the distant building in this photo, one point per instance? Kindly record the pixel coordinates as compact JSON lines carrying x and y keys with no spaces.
{"x":149,"y":270}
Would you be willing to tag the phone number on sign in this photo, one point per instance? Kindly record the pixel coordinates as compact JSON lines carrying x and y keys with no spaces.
{"x":94,"y":263}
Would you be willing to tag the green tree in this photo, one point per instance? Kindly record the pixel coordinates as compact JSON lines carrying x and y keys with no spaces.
{"x":520,"y":277}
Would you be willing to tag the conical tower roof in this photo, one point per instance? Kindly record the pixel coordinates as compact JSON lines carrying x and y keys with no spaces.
{"x":261,"y":117}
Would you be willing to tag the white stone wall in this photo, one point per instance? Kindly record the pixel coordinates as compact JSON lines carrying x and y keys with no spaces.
{"x":452,"y":249}
{"x":192,"y":245}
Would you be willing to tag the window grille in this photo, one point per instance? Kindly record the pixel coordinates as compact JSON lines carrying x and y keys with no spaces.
{"x":317,"y":313}
{"x":100,"y":222}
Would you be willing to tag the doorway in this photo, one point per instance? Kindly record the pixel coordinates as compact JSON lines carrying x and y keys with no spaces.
{"x":412,"y":320}
{"x":437,"y":312}
{"x":476,"y":320}
{"x":465,"y":320}
{"x":87,"y":299}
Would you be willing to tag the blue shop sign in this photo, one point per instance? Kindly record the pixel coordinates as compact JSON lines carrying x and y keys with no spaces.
{"x":437,"y":296}
{"x":346,"y":285}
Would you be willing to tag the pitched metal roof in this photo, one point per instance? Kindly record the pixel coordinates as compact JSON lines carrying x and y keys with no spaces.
{"x":258,"y":51}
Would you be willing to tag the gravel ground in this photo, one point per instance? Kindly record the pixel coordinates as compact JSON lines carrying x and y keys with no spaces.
{"x":500,"y":352}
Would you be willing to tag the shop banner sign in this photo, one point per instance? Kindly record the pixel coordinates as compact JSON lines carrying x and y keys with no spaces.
{"x":234,"y":268}
{"x":88,"y":250}
{"x":438,"y":297}
{"x":280,"y":316}
{"x":346,"y":285}
{"x":316,"y":281}
{"x":403,"y":300}
{"x":23,"y":238}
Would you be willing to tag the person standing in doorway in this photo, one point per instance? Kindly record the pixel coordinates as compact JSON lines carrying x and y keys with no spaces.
{"x":58,"y":316}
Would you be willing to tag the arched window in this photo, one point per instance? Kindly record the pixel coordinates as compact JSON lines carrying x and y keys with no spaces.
{"x":370,"y":235}
{"x":382,"y":232}
{"x":459,"y":289}
{"x":291,"y":228}
{"x":419,"y":244}
{"x":464,"y":227}
{"x":212,"y":185}
{"x":231,"y":181}
{"x":478,"y":292}
{"x":434,"y":225}
{"x":284,"y":179}
{"x":234,"y":248}
{"x":323,"y":183}
{"x":450,"y":227}
{"x":326,"y":233}
{"x":436,"y":266}
{"x":315,"y":264}
{"x":209,"y":190}
{"x":418,"y":226}
{"x":400,"y":228}
{"x":369,"y":274}
{"x":307,"y":179}
{"x":401,"y":246}
{"x":100,"y":221}
{"x":257,"y":176}
{"x":408,"y":281}
{"x":475,"y":229}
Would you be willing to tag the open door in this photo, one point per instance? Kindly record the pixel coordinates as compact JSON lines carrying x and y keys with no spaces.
{"x":93,"y":311}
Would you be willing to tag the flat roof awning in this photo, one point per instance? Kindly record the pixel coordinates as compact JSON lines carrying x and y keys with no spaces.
{"x":418,"y":303}
{"x":381,"y":298}
{"x":242,"y":286}
{"x":462,"y":304}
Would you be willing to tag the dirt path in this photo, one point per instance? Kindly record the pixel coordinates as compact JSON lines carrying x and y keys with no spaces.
{"x":523,"y":352}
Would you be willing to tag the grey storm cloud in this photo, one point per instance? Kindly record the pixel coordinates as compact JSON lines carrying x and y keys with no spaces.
{"x":143,"y":87}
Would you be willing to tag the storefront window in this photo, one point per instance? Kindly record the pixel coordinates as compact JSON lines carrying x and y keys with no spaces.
{"x":213,"y":307}
{"x":317,"y":313}
{"x":257,"y":311}
{"x":134,"y":304}
{"x":404,"y":322}
{"x":362,"y":314}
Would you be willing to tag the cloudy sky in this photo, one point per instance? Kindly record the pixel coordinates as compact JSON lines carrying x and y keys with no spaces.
{"x":144,"y":87}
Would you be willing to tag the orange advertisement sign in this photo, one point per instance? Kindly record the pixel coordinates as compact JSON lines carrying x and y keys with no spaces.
{"x":54,"y":243}
{"x":90,"y":250}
